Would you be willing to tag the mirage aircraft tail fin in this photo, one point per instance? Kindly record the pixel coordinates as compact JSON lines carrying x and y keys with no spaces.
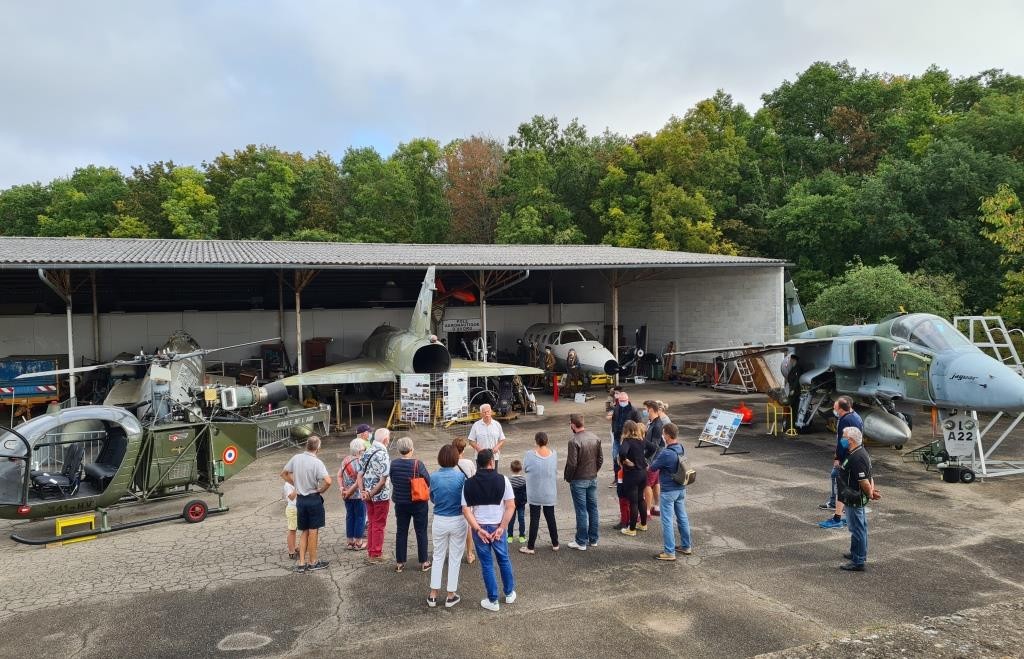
{"x":795,"y":321}
{"x":420,"y":323}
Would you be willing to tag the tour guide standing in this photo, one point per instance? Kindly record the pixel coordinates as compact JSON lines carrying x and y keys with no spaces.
{"x":308,"y":474}
{"x":488,"y":504}
{"x":858,"y":486}
{"x":673,"y":496}
{"x":581,"y":470}
{"x":486,"y":433}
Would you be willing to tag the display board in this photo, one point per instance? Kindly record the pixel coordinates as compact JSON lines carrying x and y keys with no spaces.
{"x":456,"y":394}
{"x":415,"y":397}
{"x":720,"y":428}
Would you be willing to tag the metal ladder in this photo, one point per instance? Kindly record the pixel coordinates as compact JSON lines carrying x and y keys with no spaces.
{"x":741,"y":365}
{"x":996,"y":338}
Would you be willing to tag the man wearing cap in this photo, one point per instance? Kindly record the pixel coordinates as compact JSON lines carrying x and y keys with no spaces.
{"x":363,"y":431}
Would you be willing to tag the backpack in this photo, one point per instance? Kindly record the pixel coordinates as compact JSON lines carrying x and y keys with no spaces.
{"x":684,"y":473}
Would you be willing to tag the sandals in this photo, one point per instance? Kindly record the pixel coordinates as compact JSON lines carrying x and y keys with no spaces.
{"x":425,"y":566}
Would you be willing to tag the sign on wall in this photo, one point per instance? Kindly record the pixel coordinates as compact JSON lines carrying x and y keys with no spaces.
{"x":460,"y":325}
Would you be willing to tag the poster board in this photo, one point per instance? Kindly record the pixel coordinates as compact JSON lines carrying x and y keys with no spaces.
{"x":720,"y":428}
{"x":415,"y":397}
{"x":455,"y":389}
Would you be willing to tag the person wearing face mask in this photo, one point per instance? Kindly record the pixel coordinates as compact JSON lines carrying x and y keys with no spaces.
{"x":622,"y":411}
{"x":654,"y":441}
{"x":847,"y":418}
{"x":856,"y":489}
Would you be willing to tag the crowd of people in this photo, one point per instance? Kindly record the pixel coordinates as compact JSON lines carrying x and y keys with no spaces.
{"x":476,"y":507}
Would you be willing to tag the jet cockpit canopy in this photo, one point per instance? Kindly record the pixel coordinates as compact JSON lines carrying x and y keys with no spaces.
{"x":928,"y":331}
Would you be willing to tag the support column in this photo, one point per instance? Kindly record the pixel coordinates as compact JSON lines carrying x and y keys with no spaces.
{"x":302,"y":279}
{"x":551,"y":298}
{"x":483,"y":316}
{"x":280,"y":307}
{"x":60,"y":283}
{"x":615,"y":321}
{"x":95,"y":319}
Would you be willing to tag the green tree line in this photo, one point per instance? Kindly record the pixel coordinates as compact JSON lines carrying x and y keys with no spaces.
{"x":838,"y":170}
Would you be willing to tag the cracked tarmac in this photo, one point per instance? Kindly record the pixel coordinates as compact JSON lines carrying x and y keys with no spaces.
{"x":763,"y":577}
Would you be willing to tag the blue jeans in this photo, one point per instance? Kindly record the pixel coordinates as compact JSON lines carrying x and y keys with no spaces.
{"x":355,"y":518}
{"x":673,"y":510}
{"x":616,"y":444}
{"x":832,"y":479}
{"x":500,"y":549}
{"x":584,"y":501}
{"x":857,"y":520}
{"x":521,"y":516}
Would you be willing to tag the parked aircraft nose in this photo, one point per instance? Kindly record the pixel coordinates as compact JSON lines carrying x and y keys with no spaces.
{"x":977,"y":381}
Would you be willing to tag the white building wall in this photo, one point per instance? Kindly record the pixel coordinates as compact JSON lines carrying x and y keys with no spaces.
{"x":704,"y":308}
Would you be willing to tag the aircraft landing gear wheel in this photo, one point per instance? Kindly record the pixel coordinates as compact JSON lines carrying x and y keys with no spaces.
{"x":195,"y":511}
{"x":967,"y":475}
{"x":898,"y":447}
{"x":907,"y":419}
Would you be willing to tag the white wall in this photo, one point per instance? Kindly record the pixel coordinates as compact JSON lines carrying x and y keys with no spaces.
{"x":705,"y":308}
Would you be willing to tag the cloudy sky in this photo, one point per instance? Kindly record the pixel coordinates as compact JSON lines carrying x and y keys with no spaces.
{"x":124,"y":83}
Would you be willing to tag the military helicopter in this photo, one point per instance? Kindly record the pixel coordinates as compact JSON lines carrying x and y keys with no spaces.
{"x":157,"y":437}
{"x":906,"y":359}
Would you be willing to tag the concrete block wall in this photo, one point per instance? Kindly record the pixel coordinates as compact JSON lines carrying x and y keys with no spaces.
{"x":704,"y":308}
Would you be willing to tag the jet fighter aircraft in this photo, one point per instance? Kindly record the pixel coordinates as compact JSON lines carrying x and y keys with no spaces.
{"x":917,"y":359}
{"x":390,"y":351}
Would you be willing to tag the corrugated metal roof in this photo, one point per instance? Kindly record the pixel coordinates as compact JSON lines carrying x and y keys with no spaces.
{"x":102,"y":253}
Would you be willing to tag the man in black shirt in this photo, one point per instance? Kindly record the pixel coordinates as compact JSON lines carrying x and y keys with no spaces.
{"x":857,"y":488}
{"x":793,"y":382}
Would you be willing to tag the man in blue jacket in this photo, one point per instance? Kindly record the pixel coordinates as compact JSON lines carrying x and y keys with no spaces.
{"x":848,"y":418}
{"x":673,"y":496}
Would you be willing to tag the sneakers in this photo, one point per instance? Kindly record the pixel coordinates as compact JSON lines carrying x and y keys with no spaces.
{"x":641,"y":527}
{"x":612,"y":484}
{"x":522,"y":538}
{"x":527,"y":550}
{"x":452,"y":601}
{"x":573,"y":545}
{"x":375,"y":560}
{"x":832,"y":523}
{"x":511,"y":597}
{"x":619,"y":526}
{"x":431,"y":601}
{"x":686,"y":551}
{"x":299,"y":569}
{"x":665,"y":557}
{"x":852,"y":567}
{"x":848,"y":556}
{"x":319,"y":565}
{"x":828,"y":505}
{"x":489,"y":605}
{"x":628,"y":531}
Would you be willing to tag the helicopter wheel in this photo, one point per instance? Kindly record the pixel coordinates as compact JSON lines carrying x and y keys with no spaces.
{"x":195,"y":511}
{"x":967,"y":475}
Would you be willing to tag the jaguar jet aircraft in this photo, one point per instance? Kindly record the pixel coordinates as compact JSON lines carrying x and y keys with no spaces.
{"x":390,"y":351}
{"x":915,"y":359}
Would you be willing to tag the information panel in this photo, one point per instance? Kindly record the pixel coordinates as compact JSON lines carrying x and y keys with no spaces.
{"x":720,"y":428}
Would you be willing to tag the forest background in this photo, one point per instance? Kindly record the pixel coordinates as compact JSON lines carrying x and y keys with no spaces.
{"x":881,"y":189}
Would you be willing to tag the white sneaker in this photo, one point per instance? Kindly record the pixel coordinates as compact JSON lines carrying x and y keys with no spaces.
{"x":489,"y":605}
{"x":511,"y":597}
{"x":573,"y":545}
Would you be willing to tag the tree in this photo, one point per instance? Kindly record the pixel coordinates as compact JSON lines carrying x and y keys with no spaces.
{"x":869,"y":293}
{"x":1004,"y":221}
{"x":473,"y":168}
{"x":254,"y":189}
{"x":85,"y":205}
{"x":20,"y":208}
{"x":189,"y":208}
{"x":145,"y":197}
{"x":421,"y":161}
{"x":381,"y":199}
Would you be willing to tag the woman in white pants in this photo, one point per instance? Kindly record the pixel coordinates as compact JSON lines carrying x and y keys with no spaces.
{"x":448,"y":529}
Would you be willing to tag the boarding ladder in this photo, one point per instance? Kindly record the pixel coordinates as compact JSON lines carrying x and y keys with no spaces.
{"x":737,"y":362}
{"x":989,"y":333}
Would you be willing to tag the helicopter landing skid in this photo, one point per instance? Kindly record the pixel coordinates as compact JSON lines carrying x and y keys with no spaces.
{"x":110,"y":528}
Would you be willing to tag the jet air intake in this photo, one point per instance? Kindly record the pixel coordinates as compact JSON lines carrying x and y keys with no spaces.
{"x":232,"y":398}
{"x":611,"y":367}
{"x":431,"y":358}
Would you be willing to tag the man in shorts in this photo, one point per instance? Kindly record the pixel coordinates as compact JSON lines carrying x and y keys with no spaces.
{"x":308,"y":474}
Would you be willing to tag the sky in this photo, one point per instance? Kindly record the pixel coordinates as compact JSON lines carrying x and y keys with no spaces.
{"x":129,"y":83}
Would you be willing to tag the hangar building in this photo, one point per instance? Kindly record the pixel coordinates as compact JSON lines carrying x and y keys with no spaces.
{"x":125,"y":294}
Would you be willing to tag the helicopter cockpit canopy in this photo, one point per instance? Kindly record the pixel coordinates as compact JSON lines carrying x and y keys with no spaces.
{"x":928,"y":331}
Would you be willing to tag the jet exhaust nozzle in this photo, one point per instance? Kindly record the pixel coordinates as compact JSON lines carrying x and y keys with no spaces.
{"x":611,"y":367}
{"x":432,"y":358}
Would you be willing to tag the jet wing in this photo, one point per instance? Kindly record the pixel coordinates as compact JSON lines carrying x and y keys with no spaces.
{"x":351,"y":372}
{"x":756,"y":349}
{"x":477,"y":369}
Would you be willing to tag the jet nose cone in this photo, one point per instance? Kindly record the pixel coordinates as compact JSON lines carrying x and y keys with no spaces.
{"x":977,"y":381}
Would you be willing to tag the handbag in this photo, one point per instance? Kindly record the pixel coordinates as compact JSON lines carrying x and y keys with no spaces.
{"x":419,"y":487}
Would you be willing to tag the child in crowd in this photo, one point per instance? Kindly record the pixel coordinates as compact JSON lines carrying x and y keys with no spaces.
{"x":355,"y":509}
{"x":291,"y":515}
{"x":623,"y":502}
{"x":519,"y":489}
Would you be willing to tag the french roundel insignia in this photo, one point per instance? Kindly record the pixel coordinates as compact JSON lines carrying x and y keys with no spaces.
{"x":230,"y":455}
